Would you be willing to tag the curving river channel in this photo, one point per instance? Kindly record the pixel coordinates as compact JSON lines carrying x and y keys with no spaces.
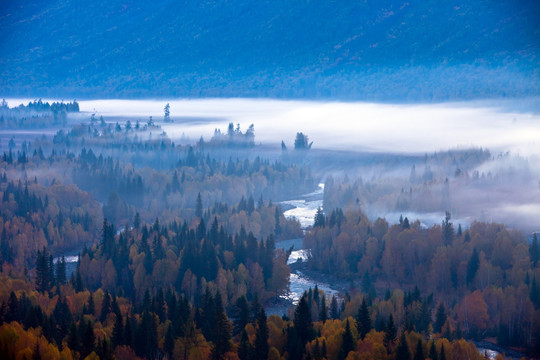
{"x":303,"y":209}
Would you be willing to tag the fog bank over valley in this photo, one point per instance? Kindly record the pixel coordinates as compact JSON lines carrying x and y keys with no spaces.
{"x":348,"y":126}
{"x":478,"y":160}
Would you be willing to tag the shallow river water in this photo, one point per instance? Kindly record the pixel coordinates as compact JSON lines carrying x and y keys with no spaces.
{"x":304,"y":210}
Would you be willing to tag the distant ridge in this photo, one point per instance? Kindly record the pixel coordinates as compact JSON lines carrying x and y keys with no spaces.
{"x":352,"y":50}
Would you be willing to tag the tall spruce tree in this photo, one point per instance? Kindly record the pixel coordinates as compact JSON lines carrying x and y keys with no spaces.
{"x":419,"y":352}
{"x":443,"y":355}
{"x":199,"y":207}
{"x":390,"y":332}
{"x":245,"y":350}
{"x":61,"y":271}
{"x":433,"y":352}
{"x":261,"y":337}
{"x":334,"y":309}
{"x":448,"y":229}
{"x":43,"y":273}
{"x":242,"y":316}
{"x":363,"y":320}
{"x":440,"y":318}
{"x":168,"y":344}
{"x":118,"y":331}
{"x":303,"y":322}
{"x":323,"y":311}
{"x":402,"y":351}
{"x":347,"y":343}
{"x":223,"y":330}
{"x":319,"y":218}
{"x":472,"y":266}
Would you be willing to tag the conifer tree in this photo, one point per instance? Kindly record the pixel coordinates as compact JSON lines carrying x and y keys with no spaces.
{"x":433,"y":352}
{"x":91,"y":306}
{"x":199,"y":207}
{"x":73,"y":341}
{"x":347,"y":343}
{"x":167,"y":113}
{"x":137,"y":221}
{"x":5,"y":247}
{"x":419,"y":352}
{"x":472,"y":266}
{"x":363,"y":320}
{"x":50,"y":268}
{"x":118,"y":331}
{"x":88,"y":339}
{"x":323,"y":312}
{"x":277,"y":216}
{"x":43,"y":273}
{"x":168,"y":344}
{"x":255,"y":308}
{"x":448,"y":229}
{"x":391,"y":331}
{"x":261,"y":337}
{"x":223,"y":329}
{"x":534,"y":293}
{"x":242,"y":317}
{"x":245,"y":349}
{"x":334,"y":310}
{"x":294,"y":346}
{"x":105,"y":307}
{"x":61,"y":271}
{"x":77,"y":279}
{"x":440,"y":318}
{"x":319,"y":218}
{"x":302,"y":321}
{"x":402,"y":351}
{"x":443,"y":355}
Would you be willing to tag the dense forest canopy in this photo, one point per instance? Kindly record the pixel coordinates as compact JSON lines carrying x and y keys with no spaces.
{"x":270,"y":180}
{"x":177,"y":257}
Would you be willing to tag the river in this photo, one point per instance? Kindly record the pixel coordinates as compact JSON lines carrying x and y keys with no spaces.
{"x":303,"y":209}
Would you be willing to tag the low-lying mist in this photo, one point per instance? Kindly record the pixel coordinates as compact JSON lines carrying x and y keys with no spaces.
{"x":372,"y":148}
{"x":347,"y":126}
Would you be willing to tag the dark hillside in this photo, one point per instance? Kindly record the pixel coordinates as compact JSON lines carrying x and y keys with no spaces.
{"x":385,"y":50}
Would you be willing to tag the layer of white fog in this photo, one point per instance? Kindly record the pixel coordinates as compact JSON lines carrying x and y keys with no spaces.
{"x":346,"y":126}
{"x":507,"y":189}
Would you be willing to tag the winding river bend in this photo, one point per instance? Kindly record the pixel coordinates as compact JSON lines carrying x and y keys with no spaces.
{"x":303,"y":209}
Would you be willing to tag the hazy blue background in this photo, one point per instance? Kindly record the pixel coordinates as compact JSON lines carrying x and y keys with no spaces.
{"x":393,"y":50}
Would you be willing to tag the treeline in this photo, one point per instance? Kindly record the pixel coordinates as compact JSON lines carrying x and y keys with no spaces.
{"x":486,"y":277}
{"x":36,"y":114}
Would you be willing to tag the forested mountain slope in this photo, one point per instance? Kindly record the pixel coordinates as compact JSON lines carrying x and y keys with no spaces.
{"x":374,"y":50}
